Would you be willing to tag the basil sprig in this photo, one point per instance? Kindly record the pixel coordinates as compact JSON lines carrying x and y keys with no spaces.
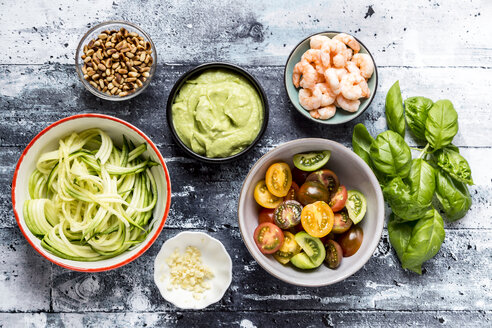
{"x":438,"y":176}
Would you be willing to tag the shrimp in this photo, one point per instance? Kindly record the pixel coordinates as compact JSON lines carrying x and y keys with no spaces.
{"x":352,"y":68}
{"x":310,"y":99}
{"x":350,"y":86}
{"x":308,"y":72}
{"x":365,"y":64}
{"x":348,"y":40}
{"x":327,"y":95}
{"x":366,"y":92}
{"x":341,"y":72}
{"x":332,"y":80}
{"x":312,"y":56}
{"x":324,"y":113}
{"x":317,"y":41}
{"x":348,"y":105}
{"x":337,"y":50}
{"x":325,"y":54}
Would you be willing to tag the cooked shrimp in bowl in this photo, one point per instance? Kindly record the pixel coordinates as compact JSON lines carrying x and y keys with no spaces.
{"x":333,"y":74}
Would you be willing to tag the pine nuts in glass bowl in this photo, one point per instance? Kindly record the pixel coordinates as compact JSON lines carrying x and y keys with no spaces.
{"x":116,"y":60}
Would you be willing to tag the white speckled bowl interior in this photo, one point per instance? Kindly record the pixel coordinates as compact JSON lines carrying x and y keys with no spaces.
{"x":353,"y":172}
{"x":213,"y":254}
{"x":48,"y":140}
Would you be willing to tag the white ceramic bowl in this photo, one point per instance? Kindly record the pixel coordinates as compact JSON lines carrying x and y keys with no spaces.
{"x":213,"y":254}
{"x":353,"y":172}
{"x":47,"y":140}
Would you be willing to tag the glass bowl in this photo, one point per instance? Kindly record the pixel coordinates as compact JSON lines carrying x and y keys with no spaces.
{"x":92,"y":34}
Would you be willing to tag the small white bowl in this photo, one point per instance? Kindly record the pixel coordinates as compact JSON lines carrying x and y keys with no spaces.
{"x":353,"y":173}
{"x":48,"y":140}
{"x":214,"y":255}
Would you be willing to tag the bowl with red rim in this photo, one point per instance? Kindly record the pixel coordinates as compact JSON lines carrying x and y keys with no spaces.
{"x":353,"y":173}
{"x":47,"y":140}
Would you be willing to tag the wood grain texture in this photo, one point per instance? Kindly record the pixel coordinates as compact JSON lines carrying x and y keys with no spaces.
{"x":437,"y":49}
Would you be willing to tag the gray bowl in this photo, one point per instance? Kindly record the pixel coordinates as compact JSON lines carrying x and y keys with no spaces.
{"x":353,"y":172}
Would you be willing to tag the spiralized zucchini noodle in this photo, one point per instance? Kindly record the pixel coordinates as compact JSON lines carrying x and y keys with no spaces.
{"x":91,"y":200}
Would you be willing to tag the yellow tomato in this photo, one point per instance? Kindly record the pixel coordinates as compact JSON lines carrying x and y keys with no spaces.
{"x":279,"y":179}
{"x":265,"y":197}
{"x":317,"y":219}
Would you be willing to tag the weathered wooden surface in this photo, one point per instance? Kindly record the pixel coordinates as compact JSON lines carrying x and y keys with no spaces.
{"x":436,"y":49}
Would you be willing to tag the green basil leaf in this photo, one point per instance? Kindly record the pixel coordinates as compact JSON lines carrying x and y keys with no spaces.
{"x":400,"y":234}
{"x":453,"y":196}
{"x":416,"y":110}
{"x":402,"y":202}
{"x":391,"y":155}
{"x":441,"y":125}
{"x":422,"y":180}
{"x":394,"y":110}
{"x":361,"y":143}
{"x":426,"y":240}
{"x":455,"y":164}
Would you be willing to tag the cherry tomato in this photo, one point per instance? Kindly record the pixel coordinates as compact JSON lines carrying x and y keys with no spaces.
{"x":342,"y":222}
{"x":265,"y":197}
{"x":351,"y":240}
{"x":288,"y":214}
{"x":317,"y":219}
{"x":334,"y":254}
{"x":289,"y":248}
{"x":327,"y":177}
{"x":293,"y":191}
{"x":312,"y":191}
{"x":278,"y":179}
{"x":266,"y":215}
{"x":337,"y":201}
{"x":268,"y":237}
{"x":299,"y":176}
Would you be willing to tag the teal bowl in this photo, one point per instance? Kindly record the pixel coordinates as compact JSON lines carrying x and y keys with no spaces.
{"x":341,"y":116}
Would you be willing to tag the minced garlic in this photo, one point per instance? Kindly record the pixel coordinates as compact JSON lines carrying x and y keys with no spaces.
{"x":188,"y":272}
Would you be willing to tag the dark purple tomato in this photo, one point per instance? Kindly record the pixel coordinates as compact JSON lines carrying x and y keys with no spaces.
{"x":328,"y":178}
{"x":266,"y":215}
{"x":342,"y":222}
{"x":351,"y":240}
{"x":299,"y":176}
{"x":313,"y":191}
{"x":334,"y":254}
{"x":288,"y":214}
{"x":292,"y":193}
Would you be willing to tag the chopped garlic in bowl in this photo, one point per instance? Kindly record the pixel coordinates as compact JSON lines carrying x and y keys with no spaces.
{"x":192,"y":270}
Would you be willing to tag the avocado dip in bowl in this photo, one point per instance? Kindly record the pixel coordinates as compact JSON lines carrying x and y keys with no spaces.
{"x":217,"y":112}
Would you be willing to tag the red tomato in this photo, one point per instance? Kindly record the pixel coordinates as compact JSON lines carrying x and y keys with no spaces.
{"x":337,"y":201}
{"x":268,"y":237}
{"x":351,"y":241}
{"x":292,"y":194}
{"x":266,"y":215}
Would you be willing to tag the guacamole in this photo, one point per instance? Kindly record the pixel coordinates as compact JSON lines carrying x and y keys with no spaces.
{"x":218,"y":113}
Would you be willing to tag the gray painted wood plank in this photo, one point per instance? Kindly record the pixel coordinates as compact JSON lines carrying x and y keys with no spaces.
{"x":35,"y":96}
{"x":255,"y":32}
{"x":306,"y":319}
{"x":456,"y":279}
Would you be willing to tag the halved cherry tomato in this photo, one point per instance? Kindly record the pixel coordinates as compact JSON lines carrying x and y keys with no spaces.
{"x":266,"y":215}
{"x":334,"y":254}
{"x":342,"y":222}
{"x":265,"y":197}
{"x":327,"y":177}
{"x":312,"y":191}
{"x":289,"y":248}
{"x":351,"y":240}
{"x":317,"y":219}
{"x":299,"y":176}
{"x":278,"y":179}
{"x":293,"y":191}
{"x":337,"y":201}
{"x":268,"y":237}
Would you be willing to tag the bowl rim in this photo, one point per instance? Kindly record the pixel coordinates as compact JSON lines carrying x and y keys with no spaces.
{"x":150,"y":241}
{"x":229,"y":263}
{"x":379,"y":225}
{"x":98,"y":93}
{"x":359,"y":112}
{"x":202,"y":67}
